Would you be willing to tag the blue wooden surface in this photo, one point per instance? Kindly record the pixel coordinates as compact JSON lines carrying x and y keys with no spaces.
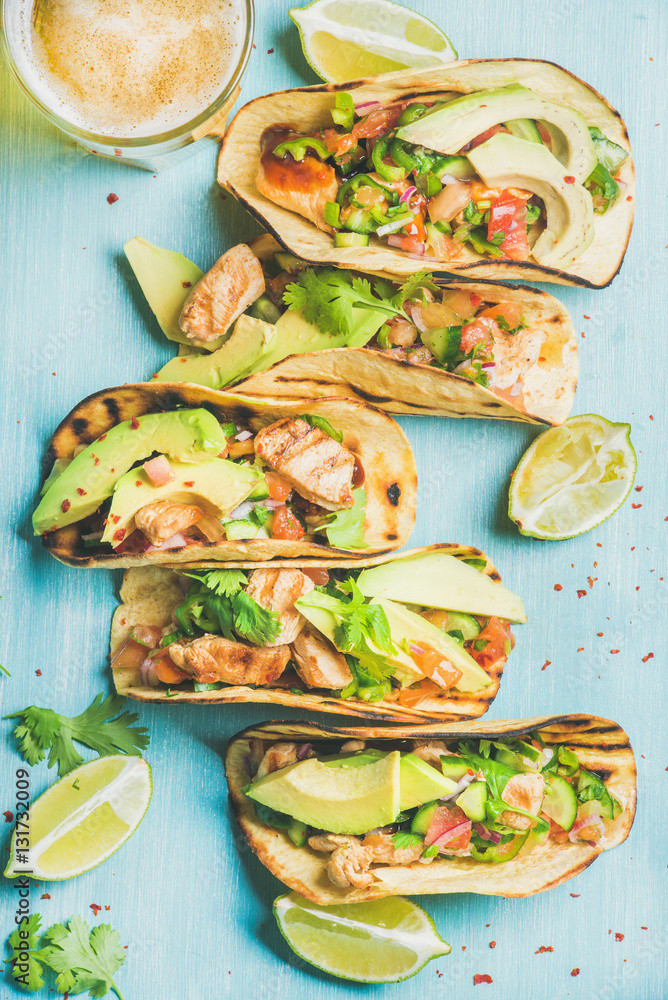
{"x":190,"y":901}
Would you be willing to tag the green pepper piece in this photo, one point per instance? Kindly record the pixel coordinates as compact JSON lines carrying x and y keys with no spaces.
{"x":352,"y":186}
{"x":349,"y":690}
{"x":610,"y":155}
{"x":332,"y":213}
{"x":430,"y":184}
{"x":360,"y":221}
{"x":374,"y":692}
{"x":386,"y":170}
{"x":402,"y":156}
{"x":343,"y":112}
{"x":602,"y":181}
{"x":298,"y":148}
{"x":412,"y":113}
{"x":382,"y":338}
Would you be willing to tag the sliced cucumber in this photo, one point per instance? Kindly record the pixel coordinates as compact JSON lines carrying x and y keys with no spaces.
{"x":472,"y":801}
{"x":243,"y":529}
{"x":351,"y":240}
{"x":456,"y":166}
{"x":259,"y":491}
{"x":560,"y":803}
{"x":524,"y":128}
{"x":263,"y":308}
{"x":298,"y":833}
{"x":511,"y":759}
{"x":466,"y":624}
{"x":454,"y":767}
{"x":423,"y":818}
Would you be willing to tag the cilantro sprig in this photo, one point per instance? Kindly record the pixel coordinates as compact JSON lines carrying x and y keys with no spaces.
{"x":218,"y":603}
{"x":42,"y":730}
{"x":83,"y":959}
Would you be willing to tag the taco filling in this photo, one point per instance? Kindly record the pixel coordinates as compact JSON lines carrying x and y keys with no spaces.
{"x":427,"y":802}
{"x":345,"y":633}
{"x":180,"y":478}
{"x":500,"y":174}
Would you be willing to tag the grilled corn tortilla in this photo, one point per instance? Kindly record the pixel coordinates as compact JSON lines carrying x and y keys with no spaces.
{"x":374,"y":438}
{"x":600,"y":745}
{"x":150,"y":594}
{"x":398,"y":386}
{"x":310,"y":107}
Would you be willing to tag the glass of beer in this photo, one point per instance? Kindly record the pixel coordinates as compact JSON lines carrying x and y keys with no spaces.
{"x":136,"y":80}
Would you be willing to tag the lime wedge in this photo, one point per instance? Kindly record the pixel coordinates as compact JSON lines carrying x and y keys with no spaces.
{"x":347,"y":39}
{"x":572,"y":478}
{"x":82,"y":819}
{"x":380,"y":941}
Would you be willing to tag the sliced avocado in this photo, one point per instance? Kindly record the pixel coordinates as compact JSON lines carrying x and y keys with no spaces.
{"x":449,"y":128}
{"x":407,"y":627}
{"x":263,"y":308}
{"x":472,"y":801}
{"x":166,"y":278}
{"x":560,"y":803}
{"x":298,"y":833}
{"x":420,"y":782}
{"x":437,"y":580}
{"x":505,"y":161}
{"x":454,"y":767}
{"x":183,"y":435}
{"x":423,"y":818}
{"x":524,"y":128}
{"x":342,"y":800}
{"x":358,"y":759}
{"x":217,"y":485}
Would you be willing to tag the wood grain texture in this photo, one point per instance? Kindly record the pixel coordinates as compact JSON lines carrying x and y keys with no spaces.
{"x":190,"y":901}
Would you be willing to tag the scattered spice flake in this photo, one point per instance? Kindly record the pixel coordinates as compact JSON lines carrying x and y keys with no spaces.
{"x":492,"y":944}
{"x":637,"y":588}
{"x":629,"y":198}
{"x":599,"y":545}
{"x":38,"y":673}
{"x":134,"y":424}
{"x":546,"y":664}
{"x":270,"y":52}
{"x":97,"y":460}
{"x":187,"y":284}
{"x":9,"y":816}
{"x":154,"y":375}
{"x":95,"y":907}
{"x":575,"y":972}
{"x":138,"y":482}
{"x":115,"y":518}
{"x":45,"y":896}
{"x":558,"y":586}
{"x":638,"y":489}
{"x":111,"y":198}
{"x":636,"y":506}
{"x":651,"y":417}
{"x":569,"y":179}
{"x":65,"y":506}
{"x":82,"y":493}
{"x":488,"y":925}
{"x":580,"y":649}
{"x":583,"y":335}
{"x":633,"y":546}
{"x":585,"y":316}
{"x":102,"y":437}
{"x":484,"y":978}
{"x":189,"y":482}
{"x":543,"y":948}
{"x":599,"y":634}
{"x":575,"y":895}
{"x":123,"y":621}
{"x":464,"y":946}
{"x":591,"y":580}
{"x":614,"y":650}
{"x":119,"y":535}
{"x":618,"y":936}
{"x":650,"y":656}
{"x":107,"y":907}
{"x":643,"y":928}
{"x":582,"y":593}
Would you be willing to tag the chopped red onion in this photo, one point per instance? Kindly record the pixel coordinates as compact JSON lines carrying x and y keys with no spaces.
{"x":448,"y":179}
{"x":368,"y":106}
{"x":488,"y":364}
{"x":495,"y":837}
{"x":395,"y":241}
{"x":177,"y":541}
{"x":452,"y":834}
{"x":147,"y":673}
{"x":273,"y":504}
{"x":482,"y":831}
{"x":462,"y":368}
{"x":416,"y":315}
{"x":243,"y":436}
{"x":243,"y":510}
{"x":461,"y":785}
{"x":414,"y":648}
{"x":303,"y":750}
{"x":408,"y":192}
{"x":420,"y":255}
{"x":593,"y":820}
{"x":622,"y":185}
{"x":393,"y":226}
{"x":516,"y":389}
{"x":248,"y":765}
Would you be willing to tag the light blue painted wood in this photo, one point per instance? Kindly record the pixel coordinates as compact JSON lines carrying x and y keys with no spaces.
{"x":190,"y":901}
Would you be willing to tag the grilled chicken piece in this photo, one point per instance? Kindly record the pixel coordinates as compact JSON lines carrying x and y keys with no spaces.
{"x":302,"y":187}
{"x":280,"y":755}
{"x":318,"y":467}
{"x":318,"y":663}
{"x":525,"y":791}
{"x":351,"y":858}
{"x":212,"y":658}
{"x":401,"y":333}
{"x":234,"y":282}
{"x":382,"y":850}
{"x":352,"y":745}
{"x":277,"y":590}
{"x":162,"y":520}
{"x":430,"y":751}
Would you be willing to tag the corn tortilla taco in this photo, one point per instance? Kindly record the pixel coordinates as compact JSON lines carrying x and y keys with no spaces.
{"x":163,"y":473}
{"x":264,"y":321}
{"x":489,"y":169}
{"x":420,"y":636}
{"x":503,"y":808}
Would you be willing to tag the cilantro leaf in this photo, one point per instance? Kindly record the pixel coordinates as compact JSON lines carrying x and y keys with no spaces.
{"x":84,"y":960}
{"x":42,"y":729}
{"x":224,"y":582}
{"x":254,"y":622}
{"x":26,"y":974}
{"x":345,"y":528}
{"x":403,"y":839}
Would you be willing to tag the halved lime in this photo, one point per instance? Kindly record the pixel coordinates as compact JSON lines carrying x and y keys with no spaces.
{"x":572,"y":478}
{"x":347,"y":39}
{"x":380,"y":941}
{"x":82,"y":819}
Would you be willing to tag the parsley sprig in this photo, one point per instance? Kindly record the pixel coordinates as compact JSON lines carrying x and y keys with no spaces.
{"x":42,"y":730}
{"x":83,"y":960}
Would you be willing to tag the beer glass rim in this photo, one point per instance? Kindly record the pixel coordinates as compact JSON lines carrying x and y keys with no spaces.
{"x":182,"y":131}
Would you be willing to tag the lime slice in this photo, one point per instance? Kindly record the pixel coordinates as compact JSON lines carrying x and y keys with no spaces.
{"x":572,"y":478}
{"x":347,"y":39}
{"x":381,"y":941}
{"x":82,"y":819}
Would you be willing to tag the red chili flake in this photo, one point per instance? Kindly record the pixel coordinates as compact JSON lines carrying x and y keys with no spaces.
{"x":138,"y":482}
{"x":651,"y":417}
{"x":599,"y":545}
{"x":183,"y":360}
{"x":488,"y":925}
{"x":636,"y":505}
{"x":543,"y":948}
{"x":111,"y":198}
{"x":115,"y":518}
{"x":65,"y":506}
{"x":154,"y":375}
{"x":464,"y":946}
{"x":614,"y":650}
{"x":9,"y":816}
{"x":637,"y":588}
{"x":582,"y":593}
{"x":638,"y":489}
{"x":187,"y":284}
{"x":123,"y":621}
{"x":82,"y":493}
{"x":119,"y":535}
{"x":650,"y":656}
{"x":583,"y":335}
{"x":134,"y":424}
{"x":581,"y":649}
{"x":610,"y":931}
{"x":558,"y":586}
{"x":97,"y":460}
{"x":629,"y":198}
{"x":107,"y":907}
{"x":591,"y":580}
{"x":270,"y":52}
{"x":575,"y":972}
{"x":102,"y":437}
{"x":45,"y":896}
{"x":112,"y":470}
{"x":492,"y":944}
{"x":38,"y":673}
{"x":575,"y":895}
{"x":481,"y":978}
{"x":189,"y":482}
{"x":618,"y":936}
{"x":546,"y":664}
{"x":599,"y":634}
{"x":643,"y":928}
{"x":569,"y":179}
{"x":95,"y":908}
{"x":585,"y":316}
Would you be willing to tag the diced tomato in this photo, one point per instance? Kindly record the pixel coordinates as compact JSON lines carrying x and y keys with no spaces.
{"x":445,"y":819}
{"x":484,"y":136}
{"x":508,"y":215}
{"x":481,"y":331}
{"x":369,"y":196}
{"x":557,"y":832}
{"x":377,"y":123}
{"x":435,"y":665}
{"x":337,"y":143}
{"x":410,"y":244}
{"x":166,"y":670}
{"x":411,"y":697}
{"x":416,"y":228}
{"x":130,"y":654}
{"x":461,"y":302}
{"x":499,"y":639}
{"x":159,"y":471}
{"x":279,"y":488}
{"x":512,"y":312}
{"x":544,"y":134}
{"x":286,"y":525}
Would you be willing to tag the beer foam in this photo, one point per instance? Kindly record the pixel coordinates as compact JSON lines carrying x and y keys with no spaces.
{"x":132,"y":68}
